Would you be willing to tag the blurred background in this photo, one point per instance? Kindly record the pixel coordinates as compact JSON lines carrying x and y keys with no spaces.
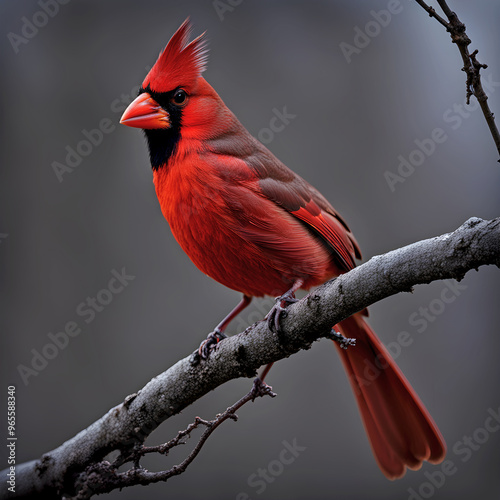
{"x":366,"y":88}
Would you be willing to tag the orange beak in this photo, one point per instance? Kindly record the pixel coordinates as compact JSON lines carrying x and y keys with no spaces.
{"x":144,"y":112}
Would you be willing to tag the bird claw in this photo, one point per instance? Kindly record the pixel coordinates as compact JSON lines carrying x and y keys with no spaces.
{"x":344,"y":342}
{"x":207,"y":346}
{"x":279,"y":310}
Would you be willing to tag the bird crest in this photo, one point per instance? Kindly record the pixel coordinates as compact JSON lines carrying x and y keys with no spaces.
{"x":180,"y":64}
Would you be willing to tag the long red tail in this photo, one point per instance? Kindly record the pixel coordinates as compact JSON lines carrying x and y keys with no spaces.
{"x":401,"y":431}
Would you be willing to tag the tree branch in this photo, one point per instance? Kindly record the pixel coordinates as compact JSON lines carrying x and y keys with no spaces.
{"x":104,"y":477}
{"x":432,"y":13}
{"x":126,"y":426}
{"x":471,"y":66}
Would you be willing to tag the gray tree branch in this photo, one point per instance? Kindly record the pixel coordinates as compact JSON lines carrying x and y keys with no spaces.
{"x":126,"y":426}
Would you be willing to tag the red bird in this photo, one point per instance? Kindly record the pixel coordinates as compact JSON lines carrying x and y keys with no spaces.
{"x":252,"y":224}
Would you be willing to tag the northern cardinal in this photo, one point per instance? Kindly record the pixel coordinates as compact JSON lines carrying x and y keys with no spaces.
{"x":252,"y":224}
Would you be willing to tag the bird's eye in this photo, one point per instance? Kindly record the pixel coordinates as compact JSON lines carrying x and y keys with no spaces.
{"x":179,"y":98}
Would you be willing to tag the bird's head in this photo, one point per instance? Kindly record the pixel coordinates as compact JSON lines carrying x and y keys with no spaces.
{"x":173,"y":96}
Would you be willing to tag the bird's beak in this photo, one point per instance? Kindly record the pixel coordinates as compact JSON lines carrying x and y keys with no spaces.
{"x":144,"y":112}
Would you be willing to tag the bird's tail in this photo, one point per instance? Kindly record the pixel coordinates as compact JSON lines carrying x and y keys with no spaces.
{"x":401,"y":432}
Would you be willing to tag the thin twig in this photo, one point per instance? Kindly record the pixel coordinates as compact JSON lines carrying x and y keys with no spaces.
{"x":448,"y":12}
{"x":432,"y":13}
{"x":103,"y":477}
{"x":471,"y":66}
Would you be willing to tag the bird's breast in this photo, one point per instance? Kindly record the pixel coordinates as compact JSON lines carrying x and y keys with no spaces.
{"x":235,"y":235}
{"x":192,"y":197}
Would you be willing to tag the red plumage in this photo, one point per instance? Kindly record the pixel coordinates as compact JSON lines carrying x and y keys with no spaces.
{"x":180,"y":64}
{"x":252,"y":224}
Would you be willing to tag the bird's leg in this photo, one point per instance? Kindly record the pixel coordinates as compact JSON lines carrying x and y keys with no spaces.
{"x":344,"y":342}
{"x":275,"y":314}
{"x":265,"y":371}
{"x":260,"y":388}
{"x":218,"y":334}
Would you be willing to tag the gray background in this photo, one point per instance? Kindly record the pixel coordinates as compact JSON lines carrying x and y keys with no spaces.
{"x":352,"y":122}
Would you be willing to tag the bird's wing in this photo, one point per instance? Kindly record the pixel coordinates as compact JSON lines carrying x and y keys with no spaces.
{"x":241,"y":159}
{"x":289,"y":191}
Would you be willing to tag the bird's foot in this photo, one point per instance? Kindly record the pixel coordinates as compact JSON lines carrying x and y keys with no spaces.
{"x":344,"y":342}
{"x":207,"y":346}
{"x":279,"y":310}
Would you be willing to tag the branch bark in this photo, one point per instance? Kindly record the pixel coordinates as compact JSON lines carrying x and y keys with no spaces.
{"x":126,"y":426}
{"x":471,"y":66}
